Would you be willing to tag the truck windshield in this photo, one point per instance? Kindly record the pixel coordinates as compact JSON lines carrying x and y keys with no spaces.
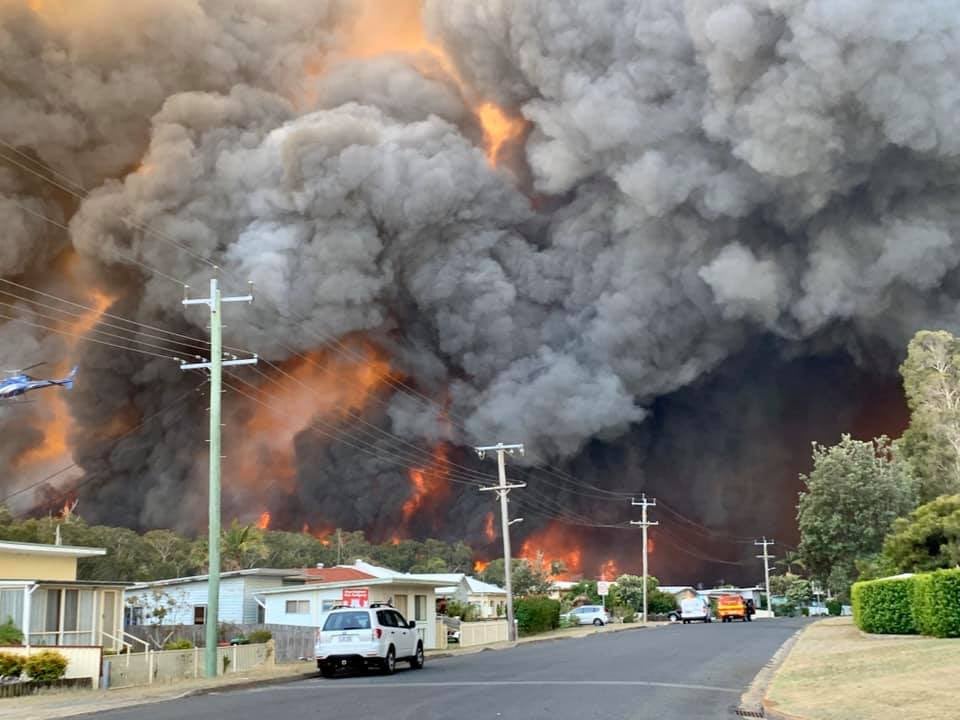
{"x":347,"y":621}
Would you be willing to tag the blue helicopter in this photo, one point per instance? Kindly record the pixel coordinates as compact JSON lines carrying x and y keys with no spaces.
{"x":19,"y":383}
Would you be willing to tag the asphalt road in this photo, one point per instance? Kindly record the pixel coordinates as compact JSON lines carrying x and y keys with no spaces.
{"x":680,"y":672}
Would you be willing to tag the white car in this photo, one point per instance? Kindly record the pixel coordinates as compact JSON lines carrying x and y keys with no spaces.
{"x":589,"y":614}
{"x":377,"y":636}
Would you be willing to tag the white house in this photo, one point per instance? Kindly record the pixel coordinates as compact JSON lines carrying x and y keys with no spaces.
{"x":486,"y":598}
{"x":185,"y":599}
{"x":325,"y":588}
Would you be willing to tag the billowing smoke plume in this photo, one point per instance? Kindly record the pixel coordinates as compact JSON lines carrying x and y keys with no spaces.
{"x":716,"y":203}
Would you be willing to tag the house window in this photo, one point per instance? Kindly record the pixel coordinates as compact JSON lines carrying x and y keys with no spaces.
{"x":199,"y":614}
{"x":133,"y":615}
{"x":78,"y":617}
{"x":298,"y":607}
{"x":419,"y":608}
{"x":11,"y":606}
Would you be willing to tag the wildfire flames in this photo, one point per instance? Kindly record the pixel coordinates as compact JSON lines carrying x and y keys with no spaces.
{"x":480,"y":565}
{"x":396,"y":26}
{"x":54,"y":444}
{"x":428,"y":485}
{"x":488,"y":532}
{"x":609,"y":571}
{"x":550,"y":545}
{"x":263,"y":522}
{"x":321,"y":389}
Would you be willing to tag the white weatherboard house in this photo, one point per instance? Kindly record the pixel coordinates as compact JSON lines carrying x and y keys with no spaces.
{"x":488,"y":600}
{"x":185,"y":599}
{"x":360,"y":585}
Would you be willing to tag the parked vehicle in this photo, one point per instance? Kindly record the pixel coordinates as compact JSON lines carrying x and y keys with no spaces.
{"x":732,"y":607}
{"x":377,"y":636}
{"x":589,"y":615}
{"x":697,"y":608}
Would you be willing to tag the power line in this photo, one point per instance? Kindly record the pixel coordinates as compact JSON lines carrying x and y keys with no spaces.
{"x":123,"y":256}
{"x":84,"y":338}
{"x":125,"y":435}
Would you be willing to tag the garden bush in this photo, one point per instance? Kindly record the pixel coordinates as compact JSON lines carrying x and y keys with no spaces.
{"x":884,"y":606}
{"x":178,"y":645}
{"x":11,"y":665}
{"x":942,"y":608}
{"x":834,"y":607}
{"x":10,"y":634}
{"x":260,"y":636}
{"x":920,"y":603}
{"x":537,"y":614}
{"x":46,"y":666}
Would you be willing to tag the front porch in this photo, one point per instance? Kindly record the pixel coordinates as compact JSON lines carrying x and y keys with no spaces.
{"x":65,"y":613}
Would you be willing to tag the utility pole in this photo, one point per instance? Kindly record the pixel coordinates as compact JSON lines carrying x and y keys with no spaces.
{"x":502,"y":490}
{"x":215,"y":365}
{"x":766,"y":557}
{"x":644,"y":524}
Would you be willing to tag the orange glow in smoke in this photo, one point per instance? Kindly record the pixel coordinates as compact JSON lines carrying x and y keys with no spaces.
{"x":309,"y":394}
{"x":429,"y":486}
{"x":488,"y":531}
{"x":650,"y":546}
{"x":553,"y":544}
{"x":480,"y":565}
{"x":609,"y":571}
{"x":396,"y":26}
{"x":263,"y":522}
{"x":56,"y":427}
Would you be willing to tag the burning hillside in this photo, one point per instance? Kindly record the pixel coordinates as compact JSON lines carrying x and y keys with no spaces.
{"x":665,"y":245}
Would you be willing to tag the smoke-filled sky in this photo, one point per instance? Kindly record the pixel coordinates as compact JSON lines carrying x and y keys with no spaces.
{"x":711,"y":204}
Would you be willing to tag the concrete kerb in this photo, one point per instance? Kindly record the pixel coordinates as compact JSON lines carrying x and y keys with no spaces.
{"x":754,"y":700}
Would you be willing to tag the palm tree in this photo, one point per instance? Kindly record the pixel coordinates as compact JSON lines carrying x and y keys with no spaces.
{"x":242,"y":547}
{"x":792,"y":563}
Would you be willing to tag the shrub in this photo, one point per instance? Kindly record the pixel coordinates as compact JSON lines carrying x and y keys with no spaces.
{"x":537,"y":614}
{"x":10,"y":634}
{"x":784,"y":610}
{"x":884,"y":606}
{"x":660,"y":602}
{"x":178,"y":645}
{"x":942,"y":608}
{"x":260,"y":636}
{"x":834,"y":607}
{"x":920,"y":603}
{"x":630,"y":616}
{"x":11,"y":665}
{"x":46,"y":666}
{"x":464,"y":611}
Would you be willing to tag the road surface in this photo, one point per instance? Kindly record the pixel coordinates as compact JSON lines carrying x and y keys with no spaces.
{"x":679,"y":672}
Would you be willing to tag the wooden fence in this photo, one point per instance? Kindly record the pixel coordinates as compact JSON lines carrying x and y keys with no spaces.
{"x":292,"y":642}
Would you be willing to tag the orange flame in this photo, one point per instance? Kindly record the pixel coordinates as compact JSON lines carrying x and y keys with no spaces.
{"x":428,"y":483}
{"x":650,"y":546}
{"x":56,"y":430}
{"x":488,"y":531}
{"x":480,"y":565}
{"x":309,"y":394}
{"x":396,"y":26}
{"x":263,"y":522}
{"x":609,"y":570}
{"x":552,"y":544}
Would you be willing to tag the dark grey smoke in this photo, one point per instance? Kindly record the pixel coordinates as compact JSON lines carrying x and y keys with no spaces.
{"x":709,"y":175}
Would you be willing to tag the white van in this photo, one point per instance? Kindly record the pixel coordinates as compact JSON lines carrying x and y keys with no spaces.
{"x":697,"y":608}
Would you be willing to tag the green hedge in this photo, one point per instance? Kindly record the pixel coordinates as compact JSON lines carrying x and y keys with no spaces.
{"x":944,"y":603}
{"x":537,"y":614}
{"x":928,"y":603}
{"x":884,"y":606}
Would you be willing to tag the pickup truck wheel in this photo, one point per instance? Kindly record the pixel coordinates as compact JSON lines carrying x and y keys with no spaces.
{"x":416,"y":662}
{"x":390,"y":662}
{"x":327,"y":670}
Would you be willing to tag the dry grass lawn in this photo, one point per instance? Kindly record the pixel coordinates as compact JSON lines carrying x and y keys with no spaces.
{"x":835,"y":672}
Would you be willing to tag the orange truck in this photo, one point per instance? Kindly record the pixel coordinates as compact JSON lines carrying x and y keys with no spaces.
{"x":731,"y":607}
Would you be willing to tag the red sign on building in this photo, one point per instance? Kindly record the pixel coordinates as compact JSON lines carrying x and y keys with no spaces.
{"x":356,"y":597}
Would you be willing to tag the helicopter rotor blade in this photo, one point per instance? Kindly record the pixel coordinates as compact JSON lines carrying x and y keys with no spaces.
{"x":31,"y":367}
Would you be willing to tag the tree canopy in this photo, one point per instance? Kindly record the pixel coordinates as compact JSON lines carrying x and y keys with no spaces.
{"x":853,"y":495}
{"x":928,"y":539}
{"x":160,"y":554}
